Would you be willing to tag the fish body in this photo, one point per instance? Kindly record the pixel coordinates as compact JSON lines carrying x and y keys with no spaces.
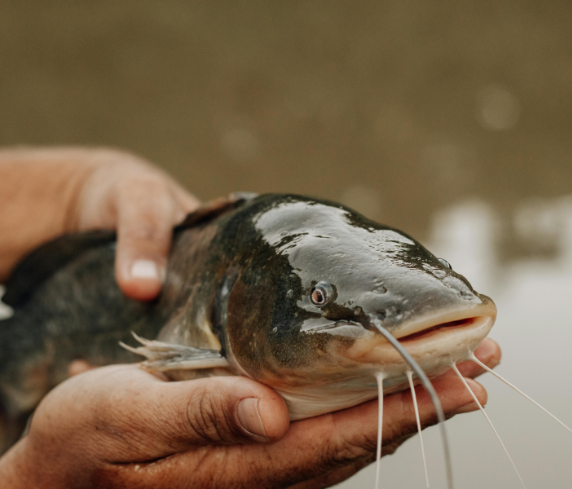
{"x":288,"y":290}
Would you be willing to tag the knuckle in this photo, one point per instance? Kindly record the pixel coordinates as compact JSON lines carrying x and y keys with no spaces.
{"x":207,"y":418}
{"x":391,"y":448}
{"x":143,"y":182}
{"x":343,"y":450}
{"x":114,"y":421}
{"x":149,"y":181}
{"x":345,"y":455}
{"x":349,"y":452}
{"x":146,"y":230}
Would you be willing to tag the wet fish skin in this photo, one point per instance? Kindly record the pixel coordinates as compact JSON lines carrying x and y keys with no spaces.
{"x":253,"y":301}
{"x":378,"y":273}
{"x":239,"y":280}
{"x":67,"y":305}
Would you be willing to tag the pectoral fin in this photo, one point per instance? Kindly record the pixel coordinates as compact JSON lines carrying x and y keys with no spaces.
{"x":163,"y":357}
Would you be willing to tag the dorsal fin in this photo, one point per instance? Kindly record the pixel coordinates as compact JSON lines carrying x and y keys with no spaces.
{"x":214,"y":208}
{"x":44,"y":261}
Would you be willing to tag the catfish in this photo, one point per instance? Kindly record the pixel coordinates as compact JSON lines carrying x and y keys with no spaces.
{"x":304,"y":295}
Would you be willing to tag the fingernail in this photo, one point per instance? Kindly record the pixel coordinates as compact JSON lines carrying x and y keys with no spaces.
{"x":467,"y":408}
{"x":145,"y":269}
{"x":249,"y":417}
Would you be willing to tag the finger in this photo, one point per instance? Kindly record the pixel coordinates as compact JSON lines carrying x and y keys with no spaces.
{"x":146,"y":214}
{"x":78,"y":367}
{"x":488,"y":352}
{"x":335,"y":476}
{"x":330,"y":444}
{"x":399,"y":413}
{"x":187,"y":202}
{"x":349,"y":436}
{"x":160,"y":418}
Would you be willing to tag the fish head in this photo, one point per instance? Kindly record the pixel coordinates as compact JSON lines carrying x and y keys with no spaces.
{"x":323,"y":282}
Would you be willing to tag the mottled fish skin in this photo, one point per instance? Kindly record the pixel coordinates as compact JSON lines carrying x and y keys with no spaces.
{"x":67,"y":305}
{"x":239,"y":280}
{"x":279,"y":248}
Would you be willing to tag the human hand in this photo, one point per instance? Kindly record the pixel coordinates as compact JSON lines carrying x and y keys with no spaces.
{"x":119,"y":426}
{"x":143,"y":203}
{"x":51,"y":191}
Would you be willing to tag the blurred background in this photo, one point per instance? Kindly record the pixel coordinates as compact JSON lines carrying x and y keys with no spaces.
{"x":449,"y":119}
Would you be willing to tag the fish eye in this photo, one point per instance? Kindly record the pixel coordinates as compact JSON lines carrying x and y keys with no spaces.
{"x":446,"y":263}
{"x":321,"y":293}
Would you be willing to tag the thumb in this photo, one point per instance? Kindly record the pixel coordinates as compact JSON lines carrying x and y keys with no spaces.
{"x":230,"y":410}
{"x":399,"y":413}
{"x":167,"y":416}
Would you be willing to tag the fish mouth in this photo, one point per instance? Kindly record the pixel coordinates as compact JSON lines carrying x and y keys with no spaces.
{"x":434,"y":342}
{"x":426,"y":333}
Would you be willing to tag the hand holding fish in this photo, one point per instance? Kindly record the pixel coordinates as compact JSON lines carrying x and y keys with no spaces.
{"x":304,"y":296}
{"x":119,"y":426}
{"x":48,"y":192}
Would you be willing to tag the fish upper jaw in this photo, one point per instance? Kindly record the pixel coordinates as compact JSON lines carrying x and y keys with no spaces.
{"x":458,"y":312}
{"x":435,"y":342}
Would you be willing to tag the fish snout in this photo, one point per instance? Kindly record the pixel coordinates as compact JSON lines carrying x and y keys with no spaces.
{"x":459,"y":288}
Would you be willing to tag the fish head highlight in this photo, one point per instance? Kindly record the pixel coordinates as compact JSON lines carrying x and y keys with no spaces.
{"x":317,"y":283}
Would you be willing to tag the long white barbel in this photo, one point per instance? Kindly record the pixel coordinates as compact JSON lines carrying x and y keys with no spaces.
{"x":379,"y":378}
{"x":430,"y":389}
{"x":489,"y":421}
{"x":412,"y":387}
{"x":490,"y":370}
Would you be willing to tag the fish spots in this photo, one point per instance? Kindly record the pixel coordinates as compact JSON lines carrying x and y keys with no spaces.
{"x":465,"y":294}
{"x":379,"y":285}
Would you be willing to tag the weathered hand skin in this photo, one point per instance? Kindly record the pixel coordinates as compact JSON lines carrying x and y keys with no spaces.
{"x":120,"y":427}
{"x":242,"y":296}
{"x":48,"y":191}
